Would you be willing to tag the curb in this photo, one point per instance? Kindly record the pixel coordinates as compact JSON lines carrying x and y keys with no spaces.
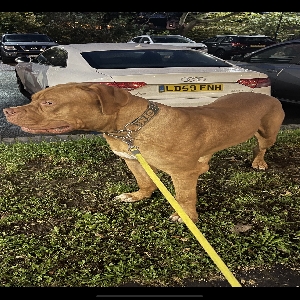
{"x":46,"y":138}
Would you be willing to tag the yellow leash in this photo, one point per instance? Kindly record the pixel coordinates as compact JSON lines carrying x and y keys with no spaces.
{"x":190,"y":224}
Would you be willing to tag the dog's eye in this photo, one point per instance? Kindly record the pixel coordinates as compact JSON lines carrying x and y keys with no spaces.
{"x":47,"y":103}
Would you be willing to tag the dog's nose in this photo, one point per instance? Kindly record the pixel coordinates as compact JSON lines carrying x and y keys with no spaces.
{"x":9,"y":111}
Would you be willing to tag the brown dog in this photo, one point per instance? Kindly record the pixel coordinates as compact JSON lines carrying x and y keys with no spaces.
{"x":177,"y":140}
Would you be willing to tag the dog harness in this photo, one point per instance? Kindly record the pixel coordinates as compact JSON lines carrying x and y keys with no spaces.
{"x":125,"y":134}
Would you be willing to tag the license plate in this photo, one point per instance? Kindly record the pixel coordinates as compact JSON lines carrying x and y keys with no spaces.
{"x":261,"y":46}
{"x":196,"y":87}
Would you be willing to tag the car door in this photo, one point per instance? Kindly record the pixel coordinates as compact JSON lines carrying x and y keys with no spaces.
{"x":287,"y":83}
{"x":213,"y":44}
{"x":209,"y":42}
{"x":282,"y":64}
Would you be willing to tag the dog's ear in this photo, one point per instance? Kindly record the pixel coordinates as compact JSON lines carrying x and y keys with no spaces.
{"x":111,"y":98}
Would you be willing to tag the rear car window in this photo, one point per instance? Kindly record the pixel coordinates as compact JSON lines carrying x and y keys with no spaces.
{"x":253,"y":40}
{"x":124,"y":59}
{"x":169,"y":39}
{"x":288,"y":53}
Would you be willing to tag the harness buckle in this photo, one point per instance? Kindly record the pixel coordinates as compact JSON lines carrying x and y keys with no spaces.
{"x":134,"y":149}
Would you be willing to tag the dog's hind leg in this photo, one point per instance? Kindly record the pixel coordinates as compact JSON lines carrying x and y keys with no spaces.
{"x":263,"y":143}
{"x":266,"y":135}
{"x":145,"y":183}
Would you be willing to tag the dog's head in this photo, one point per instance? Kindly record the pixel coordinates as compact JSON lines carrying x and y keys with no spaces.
{"x":68,"y":107}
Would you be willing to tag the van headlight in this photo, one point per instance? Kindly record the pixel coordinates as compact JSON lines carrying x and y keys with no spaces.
{"x":10,"y":48}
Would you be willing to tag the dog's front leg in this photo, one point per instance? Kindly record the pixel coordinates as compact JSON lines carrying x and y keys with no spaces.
{"x":185,"y":185}
{"x":185,"y":188}
{"x":145,"y":183}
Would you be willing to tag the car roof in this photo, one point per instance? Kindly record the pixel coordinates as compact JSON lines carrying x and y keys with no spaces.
{"x":243,"y":35}
{"x":280,"y":43}
{"x":290,"y":41}
{"x":118,"y":46}
{"x":24,"y":33}
{"x":166,"y":35}
{"x":274,"y":46}
{"x":154,"y":35}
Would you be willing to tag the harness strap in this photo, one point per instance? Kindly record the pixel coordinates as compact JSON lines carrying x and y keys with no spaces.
{"x":125,"y":134}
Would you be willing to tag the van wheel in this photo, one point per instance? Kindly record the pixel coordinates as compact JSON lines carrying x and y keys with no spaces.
{"x":6,"y":60}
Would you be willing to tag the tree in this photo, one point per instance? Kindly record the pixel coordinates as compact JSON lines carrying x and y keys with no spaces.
{"x":74,"y":27}
{"x":88,"y":27}
{"x":189,"y":20}
{"x":279,"y":25}
{"x":18,"y":22}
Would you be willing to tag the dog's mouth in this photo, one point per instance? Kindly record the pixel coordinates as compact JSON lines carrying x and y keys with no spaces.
{"x":56,"y":130}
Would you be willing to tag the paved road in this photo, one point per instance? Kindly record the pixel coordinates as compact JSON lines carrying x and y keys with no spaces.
{"x":10,"y":96}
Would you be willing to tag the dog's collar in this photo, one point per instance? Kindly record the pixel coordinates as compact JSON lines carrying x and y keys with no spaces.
{"x":126,"y":134}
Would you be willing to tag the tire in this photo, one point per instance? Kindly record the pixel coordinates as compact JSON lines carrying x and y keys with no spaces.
{"x":221,"y":53}
{"x":22,"y":89}
{"x":6,"y":60}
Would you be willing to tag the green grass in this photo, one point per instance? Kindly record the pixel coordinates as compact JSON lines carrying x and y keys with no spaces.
{"x":60,"y":224}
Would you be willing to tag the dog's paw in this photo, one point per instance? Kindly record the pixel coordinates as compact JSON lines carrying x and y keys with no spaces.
{"x":260,"y":165}
{"x":125,"y":198}
{"x":175,"y":218}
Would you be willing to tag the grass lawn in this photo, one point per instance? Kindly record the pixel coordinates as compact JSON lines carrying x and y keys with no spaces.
{"x":60,"y":224}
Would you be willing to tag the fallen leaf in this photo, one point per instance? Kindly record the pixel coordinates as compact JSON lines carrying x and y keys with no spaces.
{"x":241,"y":227}
{"x":287,"y":193}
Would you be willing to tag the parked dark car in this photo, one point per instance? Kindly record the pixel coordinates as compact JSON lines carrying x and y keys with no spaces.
{"x":225,"y":46}
{"x":13,"y":45}
{"x":281,"y":62}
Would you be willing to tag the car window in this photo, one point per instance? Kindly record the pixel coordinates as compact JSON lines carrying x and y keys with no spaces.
{"x":210,"y":40}
{"x":228,"y":39}
{"x":137,"y":39}
{"x":280,"y":54}
{"x":145,"y":40}
{"x":158,"y":58}
{"x":170,"y":39}
{"x":54,"y":56}
{"x":159,"y":39}
{"x":256,"y":39}
{"x":219,"y":39}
